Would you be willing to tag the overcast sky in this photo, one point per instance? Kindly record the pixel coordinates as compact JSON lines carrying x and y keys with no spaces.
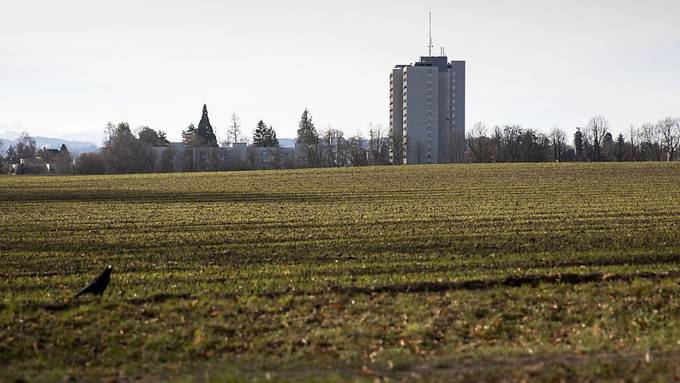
{"x":68,"y":67}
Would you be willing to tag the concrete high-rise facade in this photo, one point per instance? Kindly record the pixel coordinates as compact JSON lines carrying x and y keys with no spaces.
{"x":427,"y":111}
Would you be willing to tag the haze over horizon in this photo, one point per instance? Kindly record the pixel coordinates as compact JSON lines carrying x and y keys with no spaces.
{"x":68,"y":68}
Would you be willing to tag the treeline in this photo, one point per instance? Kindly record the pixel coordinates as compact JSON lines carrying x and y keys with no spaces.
{"x":125,"y":151}
{"x":128,"y":151}
{"x":331,"y":148}
{"x":594,"y":142}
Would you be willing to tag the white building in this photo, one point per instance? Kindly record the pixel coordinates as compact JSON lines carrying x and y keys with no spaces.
{"x":427,"y":111}
{"x":178,"y":157}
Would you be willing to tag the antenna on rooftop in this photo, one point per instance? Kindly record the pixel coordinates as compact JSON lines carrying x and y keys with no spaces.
{"x":430,"y":44}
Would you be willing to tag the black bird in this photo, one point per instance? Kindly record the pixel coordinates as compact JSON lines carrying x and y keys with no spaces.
{"x":100,"y":284}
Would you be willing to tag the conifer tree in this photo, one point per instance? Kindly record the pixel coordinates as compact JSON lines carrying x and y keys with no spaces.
{"x":578,"y":144}
{"x":307,"y":133}
{"x":204,"y":132}
{"x":620,"y":150}
{"x":273,"y":142}
{"x":259,"y":134}
{"x":188,"y":134}
{"x":151,"y":137}
{"x":264,"y":136}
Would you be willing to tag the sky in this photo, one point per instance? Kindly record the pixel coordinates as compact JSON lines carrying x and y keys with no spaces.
{"x":68,"y":67}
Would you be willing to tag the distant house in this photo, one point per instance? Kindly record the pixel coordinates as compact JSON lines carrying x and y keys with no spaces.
{"x":56,"y":160}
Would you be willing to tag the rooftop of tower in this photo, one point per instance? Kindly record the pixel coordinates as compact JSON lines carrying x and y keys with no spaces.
{"x":439,"y":61}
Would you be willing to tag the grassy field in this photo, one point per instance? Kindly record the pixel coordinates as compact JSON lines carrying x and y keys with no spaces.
{"x":445,"y":273}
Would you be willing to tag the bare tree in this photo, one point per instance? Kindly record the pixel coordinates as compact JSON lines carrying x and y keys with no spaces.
{"x":396,"y":148}
{"x":234,"y":130}
{"x":326,"y":147}
{"x":373,"y":143}
{"x":477,"y":143}
{"x":558,"y":139}
{"x":648,"y":132}
{"x":378,"y":145}
{"x":276,"y":158}
{"x":25,"y":146}
{"x":340,"y":148}
{"x":634,"y":142}
{"x":669,"y":130}
{"x":649,"y":143}
{"x":512,"y":141}
{"x":597,"y":128}
{"x":355,"y":150}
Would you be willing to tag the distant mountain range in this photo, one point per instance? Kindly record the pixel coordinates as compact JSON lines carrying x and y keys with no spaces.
{"x":74,"y":147}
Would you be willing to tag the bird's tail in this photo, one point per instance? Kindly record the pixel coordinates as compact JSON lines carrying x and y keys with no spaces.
{"x":80,"y":293}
